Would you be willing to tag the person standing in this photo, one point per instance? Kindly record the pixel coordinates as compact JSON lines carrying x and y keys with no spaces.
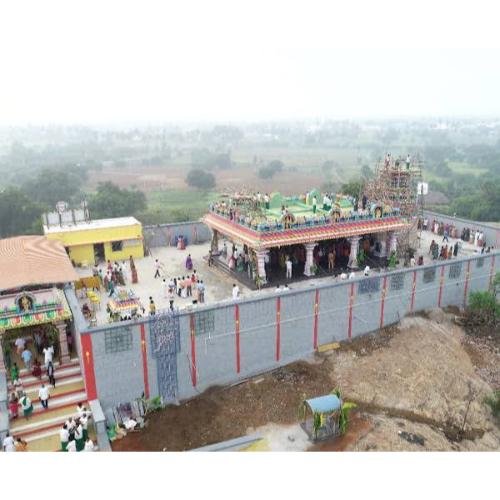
{"x":80,"y":443}
{"x":21,"y":445}
{"x":26,"y":405}
{"x":288,"y":268}
{"x":157,"y":267}
{"x":71,"y":446}
{"x":8,"y":443}
{"x":236,"y":291}
{"x":13,"y":406}
{"x":26,"y":355}
{"x":201,"y":292}
{"x":84,"y":420}
{"x":37,"y":370}
{"x":164,"y":288}
{"x":171,"y":299}
{"x":189,"y":287}
{"x":48,"y":353}
{"x":89,"y":445}
{"x":43,"y":394}
{"x":14,"y":372}
{"x":20,"y":344}
{"x":50,"y":374}
{"x":331,"y":259}
{"x":315,"y":203}
{"x":152,"y":307}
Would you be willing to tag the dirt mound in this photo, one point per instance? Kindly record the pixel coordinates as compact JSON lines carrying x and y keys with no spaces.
{"x":226,"y":413}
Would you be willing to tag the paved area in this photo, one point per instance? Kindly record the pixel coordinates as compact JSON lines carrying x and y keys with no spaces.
{"x":218,"y":285}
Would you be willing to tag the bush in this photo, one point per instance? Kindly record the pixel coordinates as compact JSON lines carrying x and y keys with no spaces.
{"x":493,"y":402}
{"x":200,"y":179}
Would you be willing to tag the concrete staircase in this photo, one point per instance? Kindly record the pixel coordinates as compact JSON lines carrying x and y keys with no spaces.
{"x":41,"y":431}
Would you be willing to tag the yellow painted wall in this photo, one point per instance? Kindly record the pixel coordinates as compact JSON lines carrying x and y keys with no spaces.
{"x":82,"y":253}
{"x":81,"y":242}
{"x":137,"y":251}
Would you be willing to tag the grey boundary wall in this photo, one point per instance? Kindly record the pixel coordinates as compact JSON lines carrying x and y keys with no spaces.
{"x":491,"y":233}
{"x":227,"y":342}
{"x":163,"y":235}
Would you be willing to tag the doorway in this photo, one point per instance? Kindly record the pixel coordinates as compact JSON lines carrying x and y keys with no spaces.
{"x":99,"y":253}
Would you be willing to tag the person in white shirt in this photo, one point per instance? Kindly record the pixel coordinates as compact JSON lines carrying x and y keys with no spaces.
{"x":80,"y":443}
{"x":288,"y":268}
{"x":278,"y":289}
{"x":236,"y":291}
{"x":80,"y":409}
{"x":286,"y":289}
{"x":343,"y":276}
{"x":366,"y":272}
{"x":48,"y":353}
{"x":43,"y":394}
{"x":64,"y":437}
{"x":20,"y":343}
{"x":412,"y":262}
{"x":352,"y":275}
{"x":89,"y":445}
{"x":164,"y":288}
{"x":130,"y":424}
{"x":9,"y":443}
{"x":84,"y":420}
{"x":71,"y":446}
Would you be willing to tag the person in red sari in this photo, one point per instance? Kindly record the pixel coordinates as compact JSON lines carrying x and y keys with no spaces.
{"x":13,"y":406}
{"x":37,"y":369}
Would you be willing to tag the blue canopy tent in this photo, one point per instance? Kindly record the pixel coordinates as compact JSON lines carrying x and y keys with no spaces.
{"x":321,"y":417}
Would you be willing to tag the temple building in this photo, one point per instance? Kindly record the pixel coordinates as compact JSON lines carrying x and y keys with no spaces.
{"x":93,"y":241}
{"x":316,"y":232}
{"x":33,"y":272}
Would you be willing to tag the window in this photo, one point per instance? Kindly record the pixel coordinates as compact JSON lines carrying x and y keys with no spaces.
{"x":480,"y":262}
{"x":204,"y":323}
{"x":118,"y":340}
{"x":117,"y":246}
{"x":455,"y":270}
{"x":369,"y":285}
{"x":429,"y":275}
{"x":397,"y":281}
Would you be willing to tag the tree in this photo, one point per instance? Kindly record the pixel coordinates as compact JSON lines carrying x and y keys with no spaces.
{"x":111,"y":201}
{"x":352,"y":188}
{"x":53,"y":185}
{"x":18,"y":214}
{"x":200,"y":179}
{"x":366,"y":172}
{"x":270,"y":169}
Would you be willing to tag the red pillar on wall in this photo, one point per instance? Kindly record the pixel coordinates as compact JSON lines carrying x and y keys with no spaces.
{"x":237,"y":332}
{"x":492,"y":270}
{"x":413,"y":288}
{"x":316,"y":312}
{"x":351,"y":302}
{"x":278,"y":328}
{"x":88,"y":366}
{"x":144,"y":361}
{"x":382,"y":302}
{"x":466,"y":286}
{"x":192,"y":330}
{"x":441,"y":282}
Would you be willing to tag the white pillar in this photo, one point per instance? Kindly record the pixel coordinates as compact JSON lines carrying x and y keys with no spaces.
{"x":261,"y":264}
{"x":354,"y":242}
{"x":2,"y":362}
{"x":309,"y":258}
{"x":383,"y":245}
{"x":393,"y":242}
{"x":63,"y":343}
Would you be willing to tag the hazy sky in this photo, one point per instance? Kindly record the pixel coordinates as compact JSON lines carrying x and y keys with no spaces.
{"x":108,"y":62}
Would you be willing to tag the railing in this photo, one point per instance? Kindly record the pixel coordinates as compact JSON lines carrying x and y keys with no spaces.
{"x":320,"y":221}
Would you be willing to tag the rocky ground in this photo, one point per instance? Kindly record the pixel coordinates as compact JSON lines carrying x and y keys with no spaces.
{"x":419,"y":386}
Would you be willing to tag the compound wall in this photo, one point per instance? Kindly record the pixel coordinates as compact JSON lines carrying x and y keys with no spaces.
{"x":230,"y":341}
{"x":166,"y":234}
{"x":491,"y":233}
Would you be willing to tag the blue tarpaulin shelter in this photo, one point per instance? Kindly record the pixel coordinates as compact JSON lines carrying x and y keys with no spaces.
{"x":324,"y":404}
{"x":324,"y":421}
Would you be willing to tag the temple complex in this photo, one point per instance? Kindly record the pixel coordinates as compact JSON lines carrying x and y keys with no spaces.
{"x":317,"y":232}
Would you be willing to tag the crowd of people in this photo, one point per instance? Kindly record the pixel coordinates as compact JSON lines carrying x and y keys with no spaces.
{"x":447,"y":230}
{"x":74,"y":434}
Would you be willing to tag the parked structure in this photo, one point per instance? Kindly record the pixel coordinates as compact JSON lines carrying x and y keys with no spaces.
{"x":88,"y":242}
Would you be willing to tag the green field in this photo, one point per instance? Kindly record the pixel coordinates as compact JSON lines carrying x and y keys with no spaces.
{"x":176,"y":205}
